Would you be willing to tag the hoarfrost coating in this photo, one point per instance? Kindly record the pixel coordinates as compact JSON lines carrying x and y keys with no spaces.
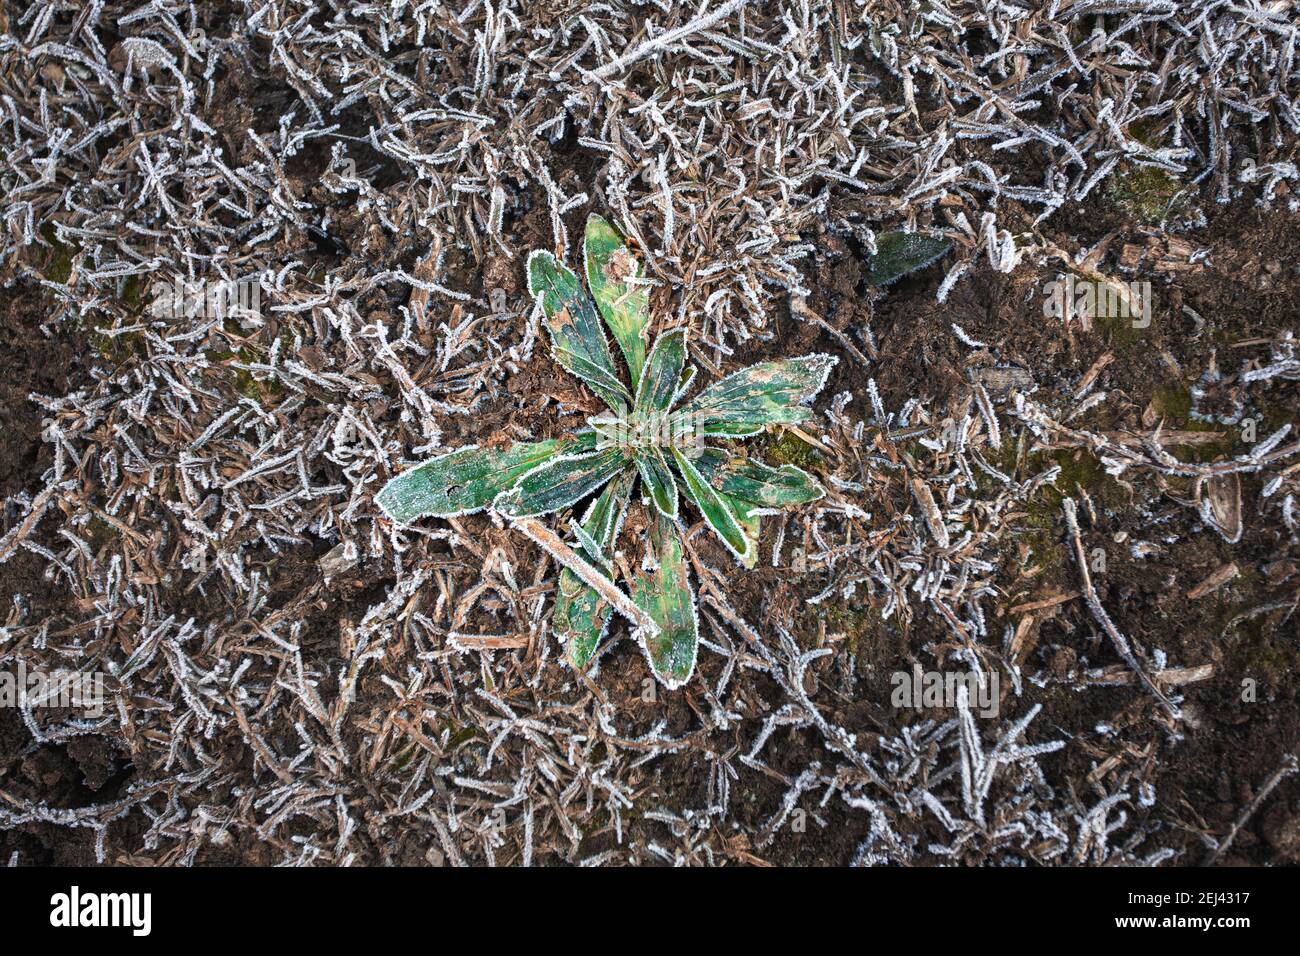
{"x":382,"y":170}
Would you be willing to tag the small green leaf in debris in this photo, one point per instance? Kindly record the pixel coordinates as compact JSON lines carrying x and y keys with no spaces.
{"x":898,"y":253}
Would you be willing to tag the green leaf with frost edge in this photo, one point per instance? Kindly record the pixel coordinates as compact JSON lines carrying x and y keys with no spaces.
{"x":769,"y":393}
{"x":609,"y":263}
{"x":658,"y":480}
{"x":664,"y":592}
{"x":718,"y":515}
{"x":577,"y":338}
{"x":750,"y":524}
{"x":662,"y":381}
{"x":581,"y":615}
{"x":467,"y":480}
{"x":747,"y":480}
{"x":560,"y":482}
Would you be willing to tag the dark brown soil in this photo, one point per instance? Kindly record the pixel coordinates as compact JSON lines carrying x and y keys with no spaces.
{"x":48,"y":363}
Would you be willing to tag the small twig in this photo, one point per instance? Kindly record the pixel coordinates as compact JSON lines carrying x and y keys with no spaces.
{"x":930,"y":512}
{"x":587,"y":572}
{"x":1289,"y":766}
{"x":1216,"y":580}
{"x":800,"y":307}
{"x":1094,"y":604}
{"x":810,"y":439}
{"x":9,"y":543}
{"x":667,"y":39}
{"x":1044,"y":603}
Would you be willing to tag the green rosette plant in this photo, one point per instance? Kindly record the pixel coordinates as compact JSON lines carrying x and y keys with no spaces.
{"x":650,"y":442}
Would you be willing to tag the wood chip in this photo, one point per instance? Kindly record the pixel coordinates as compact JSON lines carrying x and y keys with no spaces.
{"x":1216,"y":580}
{"x":1090,"y":376}
{"x":1222,"y":506}
{"x":487,"y":642}
{"x":1046,"y":602}
{"x":930,"y":512}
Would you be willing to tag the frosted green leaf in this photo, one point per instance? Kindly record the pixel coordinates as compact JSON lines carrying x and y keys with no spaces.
{"x":770,"y":393}
{"x":581,"y":615}
{"x":684,"y":386}
{"x":665,"y":594}
{"x":468,"y":479}
{"x":663,"y":373}
{"x":738,"y":477}
{"x":626,"y":308}
{"x":577,"y":339}
{"x":560,"y":483}
{"x":658,"y":480}
{"x":750,"y":523}
{"x":717,"y":513}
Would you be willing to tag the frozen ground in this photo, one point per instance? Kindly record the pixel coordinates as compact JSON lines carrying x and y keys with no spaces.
{"x":290,"y":679}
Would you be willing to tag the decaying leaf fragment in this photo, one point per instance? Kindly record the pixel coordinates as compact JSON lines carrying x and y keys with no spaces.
{"x":1221,"y":506}
{"x":930,"y":512}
